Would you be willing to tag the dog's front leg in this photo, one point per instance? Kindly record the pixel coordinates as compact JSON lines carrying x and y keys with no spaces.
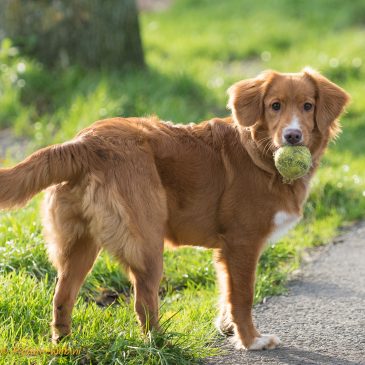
{"x":236,"y":271}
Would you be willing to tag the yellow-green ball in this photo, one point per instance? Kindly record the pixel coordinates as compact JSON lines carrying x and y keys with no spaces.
{"x":293,"y":162}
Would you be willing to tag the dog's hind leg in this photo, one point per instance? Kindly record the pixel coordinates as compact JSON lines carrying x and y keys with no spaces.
{"x":71,"y":275}
{"x":72,"y":250}
{"x":146,"y":286}
{"x":141,"y":253}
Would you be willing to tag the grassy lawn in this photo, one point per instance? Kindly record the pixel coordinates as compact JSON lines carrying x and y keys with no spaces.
{"x":194,"y":51}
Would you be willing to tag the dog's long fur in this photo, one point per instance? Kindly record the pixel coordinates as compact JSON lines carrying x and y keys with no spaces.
{"x":128,"y":184}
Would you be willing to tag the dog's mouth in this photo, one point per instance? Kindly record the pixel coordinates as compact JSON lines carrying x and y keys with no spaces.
{"x":293,"y":145}
{"x":276,"y":145}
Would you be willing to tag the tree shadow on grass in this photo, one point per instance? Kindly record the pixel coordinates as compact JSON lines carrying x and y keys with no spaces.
{"x":128,"y":92}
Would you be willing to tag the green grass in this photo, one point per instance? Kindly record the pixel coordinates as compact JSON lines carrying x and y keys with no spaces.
{"x":194,"y":51}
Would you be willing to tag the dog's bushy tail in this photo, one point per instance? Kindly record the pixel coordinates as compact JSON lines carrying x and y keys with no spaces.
{"x":48,"y":166}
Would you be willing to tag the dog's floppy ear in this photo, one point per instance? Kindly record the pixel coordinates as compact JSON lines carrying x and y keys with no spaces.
{"x":246,"y":99}
{"x":331,"y":101}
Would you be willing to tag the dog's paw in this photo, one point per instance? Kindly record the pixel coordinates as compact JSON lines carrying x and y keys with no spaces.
{"x":224,"y":326}
{"x":56,"y":339}
{"x":264,"y":342}
{"x":59,"y":332}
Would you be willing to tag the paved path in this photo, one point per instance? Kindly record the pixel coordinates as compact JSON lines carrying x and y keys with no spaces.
{"x":322,"y":318}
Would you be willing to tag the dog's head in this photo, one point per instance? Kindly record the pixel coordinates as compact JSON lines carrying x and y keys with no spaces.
{"x":288,"y":109}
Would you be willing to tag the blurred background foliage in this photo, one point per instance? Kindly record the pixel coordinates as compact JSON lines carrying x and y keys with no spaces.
{"x":91,"y":33}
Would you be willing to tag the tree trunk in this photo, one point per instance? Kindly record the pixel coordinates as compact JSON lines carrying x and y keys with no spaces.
{"x":92,"y":33}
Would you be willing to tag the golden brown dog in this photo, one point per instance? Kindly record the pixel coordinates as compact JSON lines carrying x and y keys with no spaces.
{"x":128,"y":184}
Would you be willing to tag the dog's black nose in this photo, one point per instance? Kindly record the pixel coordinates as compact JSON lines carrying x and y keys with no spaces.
{"x":293,"y":136}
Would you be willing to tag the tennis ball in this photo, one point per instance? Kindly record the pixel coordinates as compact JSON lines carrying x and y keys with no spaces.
{"x":292,"y":162}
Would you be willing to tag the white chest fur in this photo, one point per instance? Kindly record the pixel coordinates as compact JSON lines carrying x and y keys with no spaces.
{"x":282,"y":223}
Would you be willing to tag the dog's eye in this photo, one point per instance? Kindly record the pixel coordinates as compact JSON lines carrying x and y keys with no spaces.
{"x":276,"y":106}
{"x":308,"y":106}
